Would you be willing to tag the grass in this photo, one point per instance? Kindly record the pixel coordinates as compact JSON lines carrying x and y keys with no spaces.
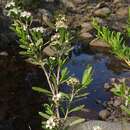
{"x":115,"y":41}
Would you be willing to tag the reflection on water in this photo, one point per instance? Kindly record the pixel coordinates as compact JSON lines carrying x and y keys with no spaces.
{"x":104,"y":68}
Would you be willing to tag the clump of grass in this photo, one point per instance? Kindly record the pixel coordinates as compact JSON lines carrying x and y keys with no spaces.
{"x":128,"y":23}
{"x":115,"y":41}
{"x":122,"y":90}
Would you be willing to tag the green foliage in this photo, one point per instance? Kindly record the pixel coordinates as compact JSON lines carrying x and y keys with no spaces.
{"x":123,"y":91}
{"x":114,"y":40}
{"x":87,"y":76}
{"x":128,"y":23}
{"x":32,"y":42}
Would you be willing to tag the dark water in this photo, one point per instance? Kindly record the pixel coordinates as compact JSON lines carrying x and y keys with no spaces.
{"x":104,"y":68}
{"x":20,"y":105}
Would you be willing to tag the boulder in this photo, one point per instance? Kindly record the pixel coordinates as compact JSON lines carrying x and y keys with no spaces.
{"x":99,"y":45}
{"x":101,"y":125}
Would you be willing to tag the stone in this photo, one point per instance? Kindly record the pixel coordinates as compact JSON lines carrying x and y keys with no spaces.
{"x":79,"y":1}
{"x":99,"y":45}
{"x":122,"y":12}
{"x":117,"y":102}
{"x":3,"y":53}
{"x":86,"y":26}
{"x":86,"y":37}
{"x":68,"y":4}
{"x":117,"y":1}
{"x":107,"y":86}
{"x":44,"y":15}
{"x":101,"y":125}
{"x":102,"y":12}
{"x":48,"y":51}
{"x":104,"y":114}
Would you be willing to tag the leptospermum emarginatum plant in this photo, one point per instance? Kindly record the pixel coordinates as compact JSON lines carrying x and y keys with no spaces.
{"x":33,"y":41}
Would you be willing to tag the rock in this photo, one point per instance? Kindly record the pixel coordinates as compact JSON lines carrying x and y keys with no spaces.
{"x":101,"y":125}
{"x":68,"y":4}
{"x":103,"y":114}
{"x":79,"y":1}
{"x":86,"y":37}
{"x":122,"y":12}
{"x":99,"y":45}
{"x":117,"y":1}
{"x":44,"y":15}
{"x":102,"y":12}
{"x":86,"y":26}
{"x":107,"y":86}
{"x":117,"y":102}
{"x":3,"y":53}
{"x":49,"y":51}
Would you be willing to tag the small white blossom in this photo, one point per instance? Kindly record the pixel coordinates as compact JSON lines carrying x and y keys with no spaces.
{"x":38,"y":29}
{"x":51,"y":122}
{"x":13,"y":11}
{"x":52,"y":58}
{"x":61,"y":24}
{"x":55,"y":37}
{"x":10,"y":4}
{"x":97,"y":128}
{"x":56,"y":97}
{"x":25,"y":14}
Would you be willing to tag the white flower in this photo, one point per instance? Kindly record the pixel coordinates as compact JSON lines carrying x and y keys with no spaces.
{"x":10,"y":4}
{"x":38,"y":29}
{"x":56,"y":97}
{"x":13,"y":11}
{"x":25,"y":14}
{"x":61,"y":24}
{"x":55,"y":37}
{"x":97,"y":128}
{"x":52,"y":58}
{"x":51,"y":122}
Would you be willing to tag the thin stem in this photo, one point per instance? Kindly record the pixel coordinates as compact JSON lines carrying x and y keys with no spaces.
{"x":48,"y":80}
{"x":71,"y":99}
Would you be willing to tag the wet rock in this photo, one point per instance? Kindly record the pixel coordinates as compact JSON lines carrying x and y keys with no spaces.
{"x":86,"y":37}
{"x":107,"y":86}
{"x":102,"y":12}
{"x":103,"y":114}
{"x":99,"y":45}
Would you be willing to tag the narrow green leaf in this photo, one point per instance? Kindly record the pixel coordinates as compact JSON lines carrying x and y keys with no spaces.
{"x":41,"y":90}
{"x":125,"y":109}
{"x":78,"y":121}
{"x":87,"y":76}
{"x":76,"y":109}
{"x":44,"y":115}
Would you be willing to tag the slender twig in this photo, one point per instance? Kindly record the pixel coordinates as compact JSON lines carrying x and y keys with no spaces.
{"x":48,"y":80}
{"x":69,"y":104}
